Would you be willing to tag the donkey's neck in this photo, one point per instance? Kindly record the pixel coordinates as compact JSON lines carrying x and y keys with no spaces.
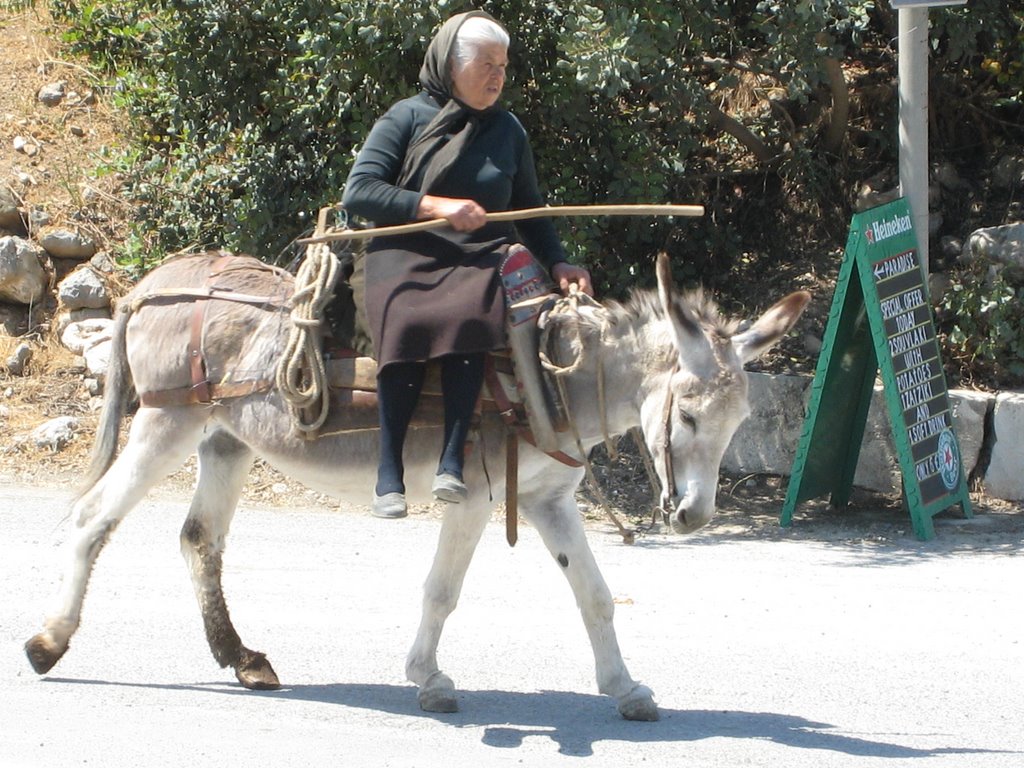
{"x":615,"y":365}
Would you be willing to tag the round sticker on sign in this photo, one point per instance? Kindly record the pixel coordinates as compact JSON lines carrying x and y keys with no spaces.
{"x":949,"y":459}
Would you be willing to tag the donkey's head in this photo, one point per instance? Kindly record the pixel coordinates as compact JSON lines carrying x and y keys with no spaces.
{"x":690,"y":410}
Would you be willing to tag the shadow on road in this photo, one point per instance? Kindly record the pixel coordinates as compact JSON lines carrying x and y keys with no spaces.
{"x":575,"y":721}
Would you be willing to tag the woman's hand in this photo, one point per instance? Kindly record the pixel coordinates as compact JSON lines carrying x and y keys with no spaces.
{"x":463,"y":215}
{"x":565,"y":274}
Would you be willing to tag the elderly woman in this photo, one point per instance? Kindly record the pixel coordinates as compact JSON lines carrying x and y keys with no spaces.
{"x":450,"y":152}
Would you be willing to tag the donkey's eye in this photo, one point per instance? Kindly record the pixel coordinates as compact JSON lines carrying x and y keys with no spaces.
{"x":687,"y":419}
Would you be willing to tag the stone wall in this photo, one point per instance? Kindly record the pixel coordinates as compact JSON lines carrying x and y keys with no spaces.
{"x":989,"y":426}
{"x":53,"y":281}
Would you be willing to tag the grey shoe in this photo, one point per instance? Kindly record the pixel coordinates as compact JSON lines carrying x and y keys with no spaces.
{"x":448,"y":487}
{"x":390,"y":505}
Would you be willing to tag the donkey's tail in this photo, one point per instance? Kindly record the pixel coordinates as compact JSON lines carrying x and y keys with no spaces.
{"x":118,"y":391}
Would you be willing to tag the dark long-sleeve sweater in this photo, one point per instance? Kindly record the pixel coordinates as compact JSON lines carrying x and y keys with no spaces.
{"x":496,"y":170}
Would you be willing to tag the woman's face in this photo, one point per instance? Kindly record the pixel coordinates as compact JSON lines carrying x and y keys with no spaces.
{"x":479,"y":83}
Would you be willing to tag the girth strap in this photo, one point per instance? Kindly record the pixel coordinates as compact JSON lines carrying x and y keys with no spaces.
{"x":515,"y":429}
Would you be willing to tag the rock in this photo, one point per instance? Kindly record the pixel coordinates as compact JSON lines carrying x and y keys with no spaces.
{"x":81,"y":335}
{"x":1005,"y":476}
{"x":878,"y":465}
{"x":998,"y":245}
{"x":52,"y":94}
{"x":22,"y":277}
{"x":103,"y":262}
{"x":938,"y":285}
{"x":56,"y":433}
{"x":84,"y":289}
{"x":1009,"y":172}
{"x":97,"y":359}
{"x":812,"y":344}
{"x":61,"y":320}
{"x":969,"y":409}
{"x":948,"y":176}
{"x":38,"y":219}
{"x":10,"y":216}
{"x":951,"y":247}
{"x":19,"y":359}
{"x":66,"y":244}
{"x":766,"y":441}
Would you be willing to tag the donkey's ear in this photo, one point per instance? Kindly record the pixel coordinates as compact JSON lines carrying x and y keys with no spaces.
{"x":770,"y":327}
{"x":684,"y":324}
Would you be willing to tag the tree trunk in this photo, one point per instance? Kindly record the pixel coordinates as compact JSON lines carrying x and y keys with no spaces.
{"x":840,"y":117}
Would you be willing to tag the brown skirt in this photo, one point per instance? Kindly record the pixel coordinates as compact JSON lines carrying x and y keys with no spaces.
{"x":428,"y":296}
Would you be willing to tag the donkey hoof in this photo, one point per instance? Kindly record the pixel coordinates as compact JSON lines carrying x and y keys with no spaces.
{"x":437,"y":694}
{"x":639,"y":704}
{"x":255,"y":673}
{"x":43,"y":653}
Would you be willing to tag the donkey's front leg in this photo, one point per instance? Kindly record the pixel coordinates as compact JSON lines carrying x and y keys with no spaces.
{"x":560,"y":526}
{"x":460,"y":533}
{"x":224,"y":463}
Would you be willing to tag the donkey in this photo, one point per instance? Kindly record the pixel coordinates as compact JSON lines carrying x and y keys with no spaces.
{"x":669,"y":364}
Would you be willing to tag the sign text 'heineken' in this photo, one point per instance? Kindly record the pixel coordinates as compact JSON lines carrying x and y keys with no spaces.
{"x":881,"y":322}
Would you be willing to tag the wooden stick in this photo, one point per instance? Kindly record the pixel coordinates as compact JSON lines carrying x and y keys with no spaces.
{"x":525,"y":213}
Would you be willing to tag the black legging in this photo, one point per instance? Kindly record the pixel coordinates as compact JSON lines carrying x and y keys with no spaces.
{"x":398,"y":391}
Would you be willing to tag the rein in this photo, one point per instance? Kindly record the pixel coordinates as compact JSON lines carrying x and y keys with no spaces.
{"x":570,"y":305}
{"x":669,"y":490}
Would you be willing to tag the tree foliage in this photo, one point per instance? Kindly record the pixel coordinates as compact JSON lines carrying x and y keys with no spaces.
{"x":248,"y":115}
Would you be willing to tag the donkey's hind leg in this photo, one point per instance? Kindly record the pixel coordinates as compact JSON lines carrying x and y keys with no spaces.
{"x":158,"y":443}
{"x":224,"y":463}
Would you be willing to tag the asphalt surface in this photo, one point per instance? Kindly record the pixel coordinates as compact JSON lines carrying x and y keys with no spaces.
{"x":761,"y":652}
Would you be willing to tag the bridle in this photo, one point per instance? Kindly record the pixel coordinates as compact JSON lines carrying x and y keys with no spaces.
{"x":668,"y":484}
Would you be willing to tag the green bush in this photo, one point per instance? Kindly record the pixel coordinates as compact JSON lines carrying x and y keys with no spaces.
{"x":248,"y":115}
{"x":981,"y":321}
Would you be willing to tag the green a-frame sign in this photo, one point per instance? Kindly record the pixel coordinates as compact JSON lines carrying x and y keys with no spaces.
{"x":880,"y":322}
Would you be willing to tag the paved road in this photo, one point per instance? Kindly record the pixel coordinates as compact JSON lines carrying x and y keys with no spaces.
{"x":761,"y":653}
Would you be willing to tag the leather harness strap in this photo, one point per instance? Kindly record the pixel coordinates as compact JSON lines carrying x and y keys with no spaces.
{"x":669,"y":490}
{"x":515,"y":430}
{"x":165,"y":398}
{"x":508,"y":415}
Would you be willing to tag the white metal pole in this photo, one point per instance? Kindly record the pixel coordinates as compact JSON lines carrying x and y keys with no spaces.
{"x":913,"y":128}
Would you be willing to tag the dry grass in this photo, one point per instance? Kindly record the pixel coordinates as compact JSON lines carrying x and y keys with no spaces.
{"x":71,"y":141}
{"x":52,"y":387}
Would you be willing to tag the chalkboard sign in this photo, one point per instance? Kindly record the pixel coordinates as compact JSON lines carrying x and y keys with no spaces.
{"x":881,"y":323}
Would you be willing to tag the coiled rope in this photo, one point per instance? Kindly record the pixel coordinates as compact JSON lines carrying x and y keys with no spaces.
{"x":301,"y":373}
